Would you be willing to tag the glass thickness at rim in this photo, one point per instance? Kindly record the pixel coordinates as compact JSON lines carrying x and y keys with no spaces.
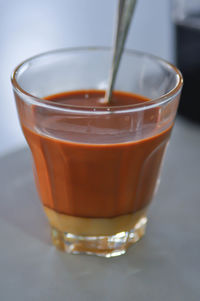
{"x":95,"y":110}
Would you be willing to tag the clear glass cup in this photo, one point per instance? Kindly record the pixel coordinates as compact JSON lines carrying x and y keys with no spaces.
{"x":96,"y":169}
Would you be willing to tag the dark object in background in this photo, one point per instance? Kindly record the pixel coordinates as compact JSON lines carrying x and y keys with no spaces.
{"x":187,"y":33}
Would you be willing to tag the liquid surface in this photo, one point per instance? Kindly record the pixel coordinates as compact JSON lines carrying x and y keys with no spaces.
{"x":95,"y":98}
{"x":89,"y":179}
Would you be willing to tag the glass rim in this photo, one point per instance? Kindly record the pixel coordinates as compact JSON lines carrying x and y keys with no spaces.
{"x":34,"y":100}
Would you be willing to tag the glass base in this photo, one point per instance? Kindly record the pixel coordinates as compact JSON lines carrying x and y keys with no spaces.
{"x":105,"y":246}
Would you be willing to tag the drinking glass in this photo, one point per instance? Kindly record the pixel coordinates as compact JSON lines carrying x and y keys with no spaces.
{"x":96,"y":168}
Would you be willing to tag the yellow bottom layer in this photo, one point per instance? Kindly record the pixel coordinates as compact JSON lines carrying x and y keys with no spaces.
{"x":93,"y":226}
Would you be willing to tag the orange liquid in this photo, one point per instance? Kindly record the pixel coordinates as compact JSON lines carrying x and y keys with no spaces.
{"x":94,"y":180}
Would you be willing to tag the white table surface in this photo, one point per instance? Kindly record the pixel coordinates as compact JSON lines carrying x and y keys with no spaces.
{"x":163,"y":266}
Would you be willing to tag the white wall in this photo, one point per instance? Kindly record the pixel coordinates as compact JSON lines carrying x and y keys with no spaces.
{"x":28,"y":27}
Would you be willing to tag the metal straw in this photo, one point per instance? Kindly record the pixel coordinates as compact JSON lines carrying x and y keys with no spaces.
{"x":124,"y":16}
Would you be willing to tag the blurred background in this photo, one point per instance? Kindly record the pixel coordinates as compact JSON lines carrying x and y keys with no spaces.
{"x":28,"y":27}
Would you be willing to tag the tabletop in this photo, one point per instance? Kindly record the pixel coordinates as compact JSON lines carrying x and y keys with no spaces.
{"x":164,"y":265}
